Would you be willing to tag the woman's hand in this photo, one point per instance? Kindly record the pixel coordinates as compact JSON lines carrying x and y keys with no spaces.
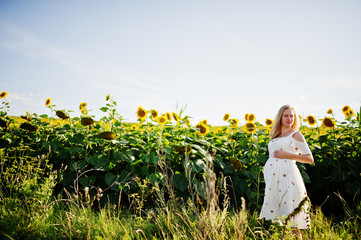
{"x":281,"y":154}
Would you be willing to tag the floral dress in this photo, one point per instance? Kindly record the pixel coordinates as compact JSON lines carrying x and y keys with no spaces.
{"x":284,"y":184}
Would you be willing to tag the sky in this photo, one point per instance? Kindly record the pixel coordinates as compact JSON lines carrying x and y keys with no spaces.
{"x":206,"y":57}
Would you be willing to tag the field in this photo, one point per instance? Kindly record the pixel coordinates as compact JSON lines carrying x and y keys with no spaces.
{"x":163,"y":178}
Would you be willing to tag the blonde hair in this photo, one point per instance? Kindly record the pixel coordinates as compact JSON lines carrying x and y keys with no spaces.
{"x":277,"y":126}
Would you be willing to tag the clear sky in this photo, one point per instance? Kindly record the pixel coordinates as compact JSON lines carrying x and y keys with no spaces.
{"x":214,"y":57}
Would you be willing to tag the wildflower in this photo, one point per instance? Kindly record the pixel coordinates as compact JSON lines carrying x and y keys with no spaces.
{"x":250,"y":127}
{"x":328,"y":122}
{"x":345,"y":109}
{"x":154,"y":113}
{"x":234,"y":121}
{"x":141,"y":113}
{"x":162,"y":120}
{"x":47,"y":102}
{"x":329,"y":111}
{"x":226,"y":117}
{"x":311,"y":120}
{"x":269,"y":122}
{"x":251,"y":117}
{"x":3,"y":94}
{"x":246,"y":116}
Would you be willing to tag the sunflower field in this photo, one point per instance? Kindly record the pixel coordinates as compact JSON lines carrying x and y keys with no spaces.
{"x":164,"y":158}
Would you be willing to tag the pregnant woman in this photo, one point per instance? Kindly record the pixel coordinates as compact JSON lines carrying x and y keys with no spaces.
{"x":285,"y":191}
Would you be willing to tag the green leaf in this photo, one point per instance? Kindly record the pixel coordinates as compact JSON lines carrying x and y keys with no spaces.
{"x":87,"y":181}
{"x":110,"y":178}
{"x":104,"y":109}
{"x":198,"y":165}
{"x":180,"y":181}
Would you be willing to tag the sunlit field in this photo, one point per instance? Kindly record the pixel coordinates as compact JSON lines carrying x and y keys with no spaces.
{"x":163,"y":177}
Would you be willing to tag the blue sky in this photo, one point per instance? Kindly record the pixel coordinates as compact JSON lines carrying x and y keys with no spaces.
{"x":214,"y":57}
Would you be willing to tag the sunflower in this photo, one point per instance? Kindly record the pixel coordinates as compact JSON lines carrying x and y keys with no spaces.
{"x":329,"y":111}
{"x":205,"y":122}
{"x":328,"y":122}
{"x":236,"y":163}
{"x":345,"y":109}
{"x":350,"y":113}
{"x":250,"y":127}
{"x":141,"y":113}
{"x":162,"y":120}
{"x":246,"y":116}
{"x":154,"y":113}
{"x":82,"y":105}
{"x":251,"y":117}
{"x":175,"y":116}
{"x":311,"y":120}
{"x":234,"y":121}
{"x":168,"y":116}
{"x":187,"y":121}
{"x":3,"y":94}
{"x":226,"y":117}
{"x":300,"y":117}
{"x":203,"y":130}
{"x":47,"y":102}
{"x":86,"y":121}
{"x":61,"y":114}
{"x":269,"y":122}
{"x":107,"y":97}
{"x":107,"y":135}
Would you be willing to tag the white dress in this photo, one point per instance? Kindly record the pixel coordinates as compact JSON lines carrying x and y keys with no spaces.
{"x":284,"y":184}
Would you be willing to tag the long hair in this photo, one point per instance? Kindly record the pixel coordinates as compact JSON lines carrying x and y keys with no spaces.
{"x":277,"y":126}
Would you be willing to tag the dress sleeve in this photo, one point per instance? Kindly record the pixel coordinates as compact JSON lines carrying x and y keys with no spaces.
{"x":300,"y":147}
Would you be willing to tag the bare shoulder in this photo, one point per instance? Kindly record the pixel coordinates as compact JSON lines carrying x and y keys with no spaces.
{"x":299,"y":137}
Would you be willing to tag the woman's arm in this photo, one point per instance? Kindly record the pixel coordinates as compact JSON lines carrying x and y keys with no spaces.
{"x":303,"y":158}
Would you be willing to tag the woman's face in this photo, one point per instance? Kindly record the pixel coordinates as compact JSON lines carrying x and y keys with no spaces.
{"x":288,"y":118}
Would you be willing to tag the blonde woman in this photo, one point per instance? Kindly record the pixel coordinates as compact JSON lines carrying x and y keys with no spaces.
{"x":285,"y":190}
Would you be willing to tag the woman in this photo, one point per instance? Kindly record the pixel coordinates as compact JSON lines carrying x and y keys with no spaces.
{"x":285,"y":190}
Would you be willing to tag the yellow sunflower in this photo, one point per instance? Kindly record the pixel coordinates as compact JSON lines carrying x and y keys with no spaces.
{"x":82,"y":105}
{"x":350,"y":113}
{"x":205,"y":122}
{"x":154,"y":113}
{"x":328,"y":122}
{"x":203,"y":130}
{"x":175,"y":116}
{"x":107,"y":97}
{"x":250,"y":127}
{"x":48,"y":102}
{"x":345,"y":109}
{"x":246,"y":116}
{"x":141,"y":113}
{"x":269,"y":122}
{"x":187,"y":121}
{"x":162,"y":120}
{"x":251,"y":117}
{"x":311,"y":120}
{"x":234,"y":121}
{"x":3,"y":94}
{"x":168,"y":116}
{"x":329,"y":111}
{"x":226,"y":117}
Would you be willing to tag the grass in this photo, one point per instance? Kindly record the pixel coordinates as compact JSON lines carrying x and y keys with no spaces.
{"x":71,"y":221}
